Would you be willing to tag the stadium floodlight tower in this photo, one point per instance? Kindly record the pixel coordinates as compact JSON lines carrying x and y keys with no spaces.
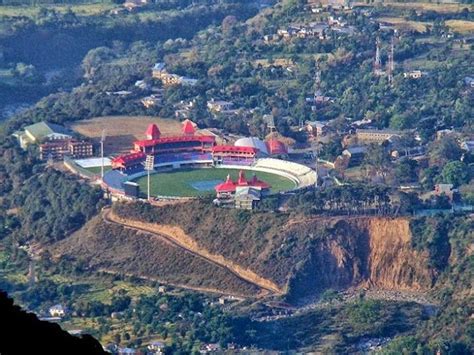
{"x":102,"y":140}
{"x":149,"y":163}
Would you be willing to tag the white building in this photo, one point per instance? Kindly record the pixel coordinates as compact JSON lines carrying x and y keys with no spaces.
{"x":57,"y":311}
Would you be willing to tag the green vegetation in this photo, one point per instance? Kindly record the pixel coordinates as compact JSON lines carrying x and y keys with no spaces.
{"x":119,"y":250}
{"x":179,"y":182}
{"x":98,"y":169}
{"x":90,"y":52}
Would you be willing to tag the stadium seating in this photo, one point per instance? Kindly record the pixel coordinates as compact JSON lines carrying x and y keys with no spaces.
{"x":305,"y":175}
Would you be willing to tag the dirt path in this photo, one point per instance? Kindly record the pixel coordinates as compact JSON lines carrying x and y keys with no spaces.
{"x":267,"y":286}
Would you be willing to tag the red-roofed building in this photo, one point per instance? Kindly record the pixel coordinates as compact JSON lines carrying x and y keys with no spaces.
{"x":128,"y":161}
{"x":221,"y":153}
{"x":188,"y":128}
{"x":152,"y":132}
{"x":227,"y":188}
{"x":276,"y":147}
{"x":156,"y":145}
{"x":179,"y":144}
{"x":259,"y":183}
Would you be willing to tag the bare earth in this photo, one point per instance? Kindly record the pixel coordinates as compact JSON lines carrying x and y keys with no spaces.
{"x":121,"y":131}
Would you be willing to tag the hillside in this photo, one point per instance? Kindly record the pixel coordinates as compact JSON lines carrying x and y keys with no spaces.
{"x":298,"y":255}
{"x":119,"y":250}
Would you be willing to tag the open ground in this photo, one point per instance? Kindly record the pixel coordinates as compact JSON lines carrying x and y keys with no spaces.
{"x":121,"y":131}
{"x":179,"y":182}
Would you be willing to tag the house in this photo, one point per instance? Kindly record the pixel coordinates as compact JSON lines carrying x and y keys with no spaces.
{"x":161,"y":289}
{"x":131,"y":5}
{"x":156,"y":347}
{"x":151,"y":100}
{"x":269,"y":122}
{"x":247,"y":197}
{"x":175,"y":79}
{"x":270,"y":38}
{"x":57,"y":311}
{"x":376,"y":135}
{"x":227,"y":299}
{"x":121,"y":93}
{"x":142,"y":84}
{"x":445,"y":189}
{"x":316,"y":10}
{"x":443,"y":133}
{"x":355,"y":155}
{"x":159,"y":69}
{"x":210,"y":348}
{"x":219,"y":105}
{"x":41,"y":131}
{"x":414,"y":74}
{"x":316,"y":128}
{"x":468,"y":146}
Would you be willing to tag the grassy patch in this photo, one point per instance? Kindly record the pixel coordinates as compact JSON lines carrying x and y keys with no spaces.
{"x":32,"y":11}
{"x":178,"y":183}
{"x":426,"y":6}
{"x":461,"y":26}
{"x":401,"y":23}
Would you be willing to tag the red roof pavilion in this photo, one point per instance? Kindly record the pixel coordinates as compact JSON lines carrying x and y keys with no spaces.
{"x":259,"y":183}
{"x":230,"y":186}
{"x":227,"y":186}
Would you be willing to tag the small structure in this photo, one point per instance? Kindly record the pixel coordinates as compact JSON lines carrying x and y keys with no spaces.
{"x":142,"y":84}
{"x":414,"y":74}
{"x":443,"y":133}
{"x":269,"y":121}
{"x":445,"y":189}
{"x":131,"y":5}
{"x":210,"y":348}
{"x":57,"y":311}
{"x":468,"y":146}
{"x":247,"y":197}
{"x":156,"y":347}
{"x":217,"y":106}
{"x":150,"y":101}
{"x":159,"y":70}
{"x":355,"y":155}
{"x":276,"y":147}
{"x":316,"y":128}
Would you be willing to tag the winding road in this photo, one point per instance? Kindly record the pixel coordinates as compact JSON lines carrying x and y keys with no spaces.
{"x":265,"y":289}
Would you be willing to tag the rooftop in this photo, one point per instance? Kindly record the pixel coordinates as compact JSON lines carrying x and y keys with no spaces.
{"x":42,"y":129}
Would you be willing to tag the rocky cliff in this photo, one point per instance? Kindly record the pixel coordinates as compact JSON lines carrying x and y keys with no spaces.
{"x":361,"y":252}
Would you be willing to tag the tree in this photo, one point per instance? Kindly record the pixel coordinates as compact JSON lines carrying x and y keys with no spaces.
{"x":444,"y":150}
{"x":456,"y":173}
{"x":406,"y":170}
{"x":377,"y":158}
